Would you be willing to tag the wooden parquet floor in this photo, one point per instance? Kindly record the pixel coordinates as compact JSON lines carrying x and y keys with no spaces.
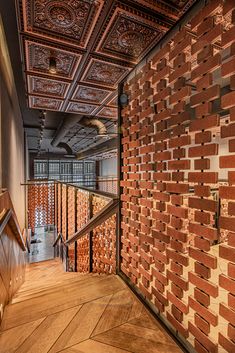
{"x":56,"y":311}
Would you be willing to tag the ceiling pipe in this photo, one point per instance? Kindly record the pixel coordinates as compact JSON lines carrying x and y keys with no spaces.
{"x":94,"y":123}
{"x":67,"y":148}
{"x":68,"y":122}
{"x":101,"y":148}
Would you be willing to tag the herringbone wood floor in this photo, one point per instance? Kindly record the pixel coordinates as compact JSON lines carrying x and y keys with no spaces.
{"x":56,"y":311}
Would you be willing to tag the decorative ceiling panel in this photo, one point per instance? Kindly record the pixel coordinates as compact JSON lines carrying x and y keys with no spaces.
{"x":70,"y":21}
{"x":43,"y":103}
{"x":38,"y":56}
{"x":128,"y":36}
{"x":90,"y":94}
{"x":114,"y":102}
{"x":94,"y":44}
{"x":108,"y":112}
{"x":81,"y":108}
{"x":104,"y":73}
{"x":170,"y":8}
{"x":45,"y":86}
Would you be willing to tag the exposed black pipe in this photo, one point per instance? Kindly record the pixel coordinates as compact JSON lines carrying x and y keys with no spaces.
{"x":68,"y":122}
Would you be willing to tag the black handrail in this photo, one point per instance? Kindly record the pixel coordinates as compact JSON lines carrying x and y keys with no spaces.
{"x":9,"y":217}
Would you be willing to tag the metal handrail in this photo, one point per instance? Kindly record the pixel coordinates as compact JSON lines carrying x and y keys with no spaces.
{"x":9,"y":217}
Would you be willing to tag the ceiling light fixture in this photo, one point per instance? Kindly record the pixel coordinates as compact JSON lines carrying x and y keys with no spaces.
{"x":52,"y":65}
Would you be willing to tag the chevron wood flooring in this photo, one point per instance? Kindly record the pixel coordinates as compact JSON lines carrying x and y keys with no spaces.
{"x":56,"y":311}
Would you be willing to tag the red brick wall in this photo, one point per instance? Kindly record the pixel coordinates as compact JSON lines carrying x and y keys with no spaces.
{"x":178,"y":209}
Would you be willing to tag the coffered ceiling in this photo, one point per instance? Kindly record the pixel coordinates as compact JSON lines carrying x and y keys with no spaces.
{"x":95,"y":44}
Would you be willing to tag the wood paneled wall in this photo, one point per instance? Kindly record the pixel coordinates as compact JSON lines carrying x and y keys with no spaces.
{"x":12,"y":259}
{"x":178,"y":214}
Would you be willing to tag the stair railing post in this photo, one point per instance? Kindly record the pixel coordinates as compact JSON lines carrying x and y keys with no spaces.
{"x":76,"y":229}
{"x":91,"y":233}
{"x":66,"y":227}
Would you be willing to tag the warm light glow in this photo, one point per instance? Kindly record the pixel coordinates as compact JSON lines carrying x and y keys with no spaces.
{"x":52,"y":66}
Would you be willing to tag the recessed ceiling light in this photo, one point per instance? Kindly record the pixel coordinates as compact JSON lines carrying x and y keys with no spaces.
{"x":52,"y":65}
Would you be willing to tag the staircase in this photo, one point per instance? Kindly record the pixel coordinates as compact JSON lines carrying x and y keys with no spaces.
{"x":57,"y":311}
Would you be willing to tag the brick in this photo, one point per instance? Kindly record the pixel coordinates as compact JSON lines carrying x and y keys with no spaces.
{"x":176,"y":200}
{"x":178,"y":326}
{"x":202,"y":190}
{"x":182,"y":47}
{"x":208,"y":343}
{"x":228,"y":68}
{"x":201,"y":164}
{"x":202,"y":244}
{"x":180,"y":258}
{"x":227,"y":283}
{"x":202,"y":270}
{"x":226,"y":343}
{"x":181,"y":212}
{"x":203,"y":177}
{"x":228,"y":37}
{"x":201,"y":297}
{"x":227,"y":161}
{"x":203,"y":231}
{"x":231,"y":239}
{"x":228,"y":131}
{"x":202,"y":324}
{"x":182,"y":70}
{"x":228,"y":100}
{"x":208,"y":38}
{"x":204,"y":96}
{"x":176,"y":234}
{"x":202,"y":204}
{"x":199,"y":347}
{"x":179,"y":153}
{"x":177,"y":176}
{"x":231,"y":145}
{"x":177,"y":188}
{"x":203,"y":137}
{"x":162,"y":53}
{"x":205,"y":26}
{"x":180,"y":304}
{"x":206,"y":67}
{"x":205,"y":12}
{"x":179,"y":165}
{"x":203,"y":284}
{"x":207,"y":314}
{"x":227,"y":223}
{"x":202,"y":217}
{"x":227,"y":253}
{"x":227,"y":313}
{"x":207,"y":259}
{"x":204,"y":82}
{"x":205,"y":123}
{"x":231,"y":208}
{"x":180,"y":141}
{"x":231,"y":334}
{"x":227,"y":192}
{"x":203,"y":151}
{"x":180,"y":95}
{"x":178,"y":315}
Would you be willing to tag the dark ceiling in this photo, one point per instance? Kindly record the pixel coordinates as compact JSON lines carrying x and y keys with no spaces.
{"x":96,"y":43}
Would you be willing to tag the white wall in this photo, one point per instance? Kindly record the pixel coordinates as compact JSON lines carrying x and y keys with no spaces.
{"x":12,"y":157}
{"x":108,"y":167}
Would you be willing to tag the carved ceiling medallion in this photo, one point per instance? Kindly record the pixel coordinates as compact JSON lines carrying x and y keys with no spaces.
{"x":38,"y":55}
{"x":38,"y":85}
{"x":90,"y":94}
{"x":64,"y":20}
{"x":102,"y":73}
{"x":81,"y":108}
{"x":45,"y":103}
{"x":129,"y":36}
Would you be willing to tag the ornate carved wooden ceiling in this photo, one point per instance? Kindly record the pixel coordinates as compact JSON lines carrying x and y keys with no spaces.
{"x":95,"y":44}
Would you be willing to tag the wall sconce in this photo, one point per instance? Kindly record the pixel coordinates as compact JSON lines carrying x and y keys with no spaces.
{"x":52,"y":65}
